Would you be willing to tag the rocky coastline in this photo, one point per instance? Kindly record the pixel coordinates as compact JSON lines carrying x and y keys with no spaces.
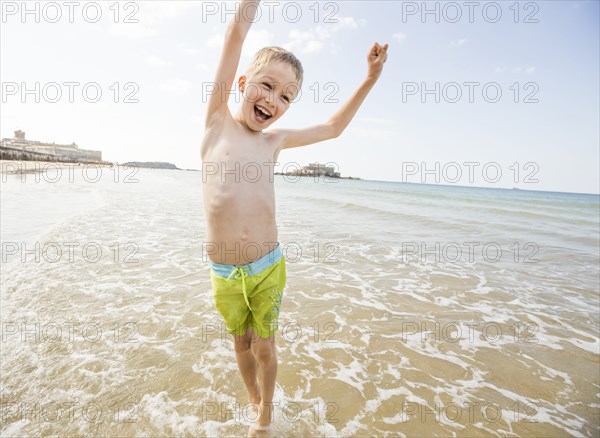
{"x":314,"y":176}
{"x":11,"y":154}
{"x":150,"y":165}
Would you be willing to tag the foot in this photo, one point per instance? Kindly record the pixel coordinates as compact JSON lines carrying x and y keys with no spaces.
{"x":257,"y":430}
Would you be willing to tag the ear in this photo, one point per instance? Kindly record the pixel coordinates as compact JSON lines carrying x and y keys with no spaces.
{"x":242,"y":83}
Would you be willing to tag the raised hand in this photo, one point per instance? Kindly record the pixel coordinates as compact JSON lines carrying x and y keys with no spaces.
{"x":376,"y":58}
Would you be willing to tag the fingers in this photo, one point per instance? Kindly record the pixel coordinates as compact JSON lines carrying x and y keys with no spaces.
{"x":377,"y":48}
{"x":378,"y":52}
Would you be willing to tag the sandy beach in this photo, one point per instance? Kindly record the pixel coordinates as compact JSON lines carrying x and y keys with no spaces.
{"x":379,"y":334}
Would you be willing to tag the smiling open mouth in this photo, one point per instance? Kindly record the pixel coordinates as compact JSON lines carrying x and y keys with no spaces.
{"x":261,"y":113}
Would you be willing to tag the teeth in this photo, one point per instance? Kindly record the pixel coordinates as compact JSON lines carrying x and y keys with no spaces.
{"x":262,"y":110}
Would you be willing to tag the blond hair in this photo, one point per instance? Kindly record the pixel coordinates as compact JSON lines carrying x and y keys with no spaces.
{"x":268,"y":55}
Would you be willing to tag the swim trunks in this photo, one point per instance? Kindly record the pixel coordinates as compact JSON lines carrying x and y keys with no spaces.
{"x":250,"y":295}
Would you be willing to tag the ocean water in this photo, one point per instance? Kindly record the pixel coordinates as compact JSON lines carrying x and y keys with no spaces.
{"x":410,"y":310}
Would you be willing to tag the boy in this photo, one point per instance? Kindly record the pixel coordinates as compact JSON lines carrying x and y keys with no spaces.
{"x":248,"y":271}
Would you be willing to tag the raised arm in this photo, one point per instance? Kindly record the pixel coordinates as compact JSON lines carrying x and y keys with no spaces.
{"x":339,"y":121}
{"x":235,"y":35}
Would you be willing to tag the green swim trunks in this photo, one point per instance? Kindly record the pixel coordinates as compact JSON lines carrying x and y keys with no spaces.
{"x":250,"y":295}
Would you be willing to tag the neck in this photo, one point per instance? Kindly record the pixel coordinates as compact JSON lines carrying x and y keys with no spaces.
{"x":240,"y":119}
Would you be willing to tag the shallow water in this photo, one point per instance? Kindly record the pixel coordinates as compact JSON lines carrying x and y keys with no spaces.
{"x":410,"y":310}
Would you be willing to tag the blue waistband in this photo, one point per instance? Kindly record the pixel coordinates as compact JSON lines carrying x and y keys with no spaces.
{"x":251,"y":268}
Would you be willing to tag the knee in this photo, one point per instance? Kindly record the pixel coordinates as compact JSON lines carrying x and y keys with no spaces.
{"x":241,"y":346}
{"x":264,"y":352}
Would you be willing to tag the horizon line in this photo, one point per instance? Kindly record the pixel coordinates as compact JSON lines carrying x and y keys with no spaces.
{"x":451,"y":185}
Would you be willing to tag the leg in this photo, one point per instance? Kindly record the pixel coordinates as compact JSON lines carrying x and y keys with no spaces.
{"x":247,"y":365}
{"x":266,"y":356}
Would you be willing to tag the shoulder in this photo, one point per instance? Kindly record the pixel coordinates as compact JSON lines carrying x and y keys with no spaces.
{"x":276,"y":137}
{"x":276,"y":140}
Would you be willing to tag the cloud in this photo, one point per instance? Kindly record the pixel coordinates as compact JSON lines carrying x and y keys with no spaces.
{"x":132,"y":30}
{"x":349,"y":22}
{"x":189,"y":50}
{"x":156,"y":61}
{"x":139,"y":22}
{"x":456,"y":43}
{"x":305,"y":42}
{"x":316,"y":38}
{"x":529,"y":70}
{"x":256,"y":40}
{"x":400,"y":37}
{"x":313,"y":46}
{"x":177,"y":86}
{"x":215,"y":41}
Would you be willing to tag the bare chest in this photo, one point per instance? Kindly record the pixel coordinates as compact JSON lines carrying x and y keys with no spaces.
{"x":234,"y":159}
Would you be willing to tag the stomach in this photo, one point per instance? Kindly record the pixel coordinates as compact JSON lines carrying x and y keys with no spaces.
{"x":240,"y":229}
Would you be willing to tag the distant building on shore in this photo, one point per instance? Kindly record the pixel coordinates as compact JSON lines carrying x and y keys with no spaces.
{"x":70,"y":151}
{"x":317,"y":169}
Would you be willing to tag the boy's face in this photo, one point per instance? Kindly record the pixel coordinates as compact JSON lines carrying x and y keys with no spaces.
{"x":268,"y":94}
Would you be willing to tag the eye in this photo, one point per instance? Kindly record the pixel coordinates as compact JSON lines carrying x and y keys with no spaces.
{"x":267,"y":85}
{"x":287,"y":99}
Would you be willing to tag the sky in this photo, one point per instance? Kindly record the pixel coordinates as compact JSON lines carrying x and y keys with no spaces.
{"x":498,"y":94}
